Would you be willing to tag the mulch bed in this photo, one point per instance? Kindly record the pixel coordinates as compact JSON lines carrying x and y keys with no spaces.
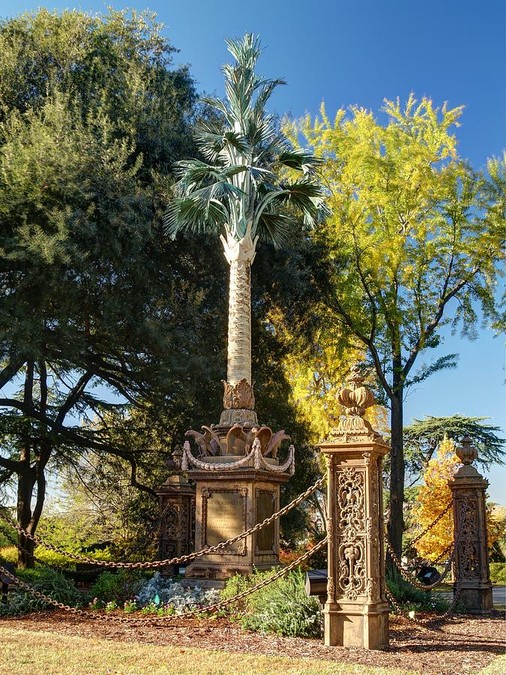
{"x":464,"y":644}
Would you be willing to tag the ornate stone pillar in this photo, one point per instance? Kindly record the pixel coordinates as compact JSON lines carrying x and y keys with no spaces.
{"x":356,"y":611}
{"x":177,"y":520}
{"x":471,"y":566}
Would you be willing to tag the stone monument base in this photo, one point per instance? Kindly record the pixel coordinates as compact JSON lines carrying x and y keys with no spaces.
{"x":228,"y":503}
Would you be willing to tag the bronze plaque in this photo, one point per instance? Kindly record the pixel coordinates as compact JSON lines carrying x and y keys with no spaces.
{"x":225,"y":518}
{"x":264,"y":509}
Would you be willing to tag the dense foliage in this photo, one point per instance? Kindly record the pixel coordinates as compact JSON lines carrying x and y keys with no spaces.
{"x":112,"y":336}
{"x":422,"y":438}
{"x":282,"y":607}
{"x":414,"y":242}
{"x":432,"y":498}
{"x":97,"y":306}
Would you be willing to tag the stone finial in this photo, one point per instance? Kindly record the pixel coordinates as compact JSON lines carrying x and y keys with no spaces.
{"x":355,"y":397}
{"x":467,"y":453}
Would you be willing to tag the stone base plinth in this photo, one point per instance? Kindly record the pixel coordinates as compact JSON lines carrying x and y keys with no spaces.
{"x":364,"y":627}
{"x":476,"y":599}
{"x":228,"y":503}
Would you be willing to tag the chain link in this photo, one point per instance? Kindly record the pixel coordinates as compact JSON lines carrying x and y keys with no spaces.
{"x":216,"y":607}
{"x":40,"y":596}
{"x":411,"y":580}
{"x":428,"y":622}
{"x":433,"y":524}
{"x":458,"y":585}
{"x":172,"y":561}
{"x":209,"y":550}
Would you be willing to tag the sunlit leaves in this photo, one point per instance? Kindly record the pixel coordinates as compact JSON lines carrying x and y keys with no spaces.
{"x":432,"y":499}
{"x":418,"y":225}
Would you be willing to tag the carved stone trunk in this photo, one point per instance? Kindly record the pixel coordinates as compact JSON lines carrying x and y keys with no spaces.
{"x":471,"y":567}
{"x":356,"y":611}
{"x":228,"y":503}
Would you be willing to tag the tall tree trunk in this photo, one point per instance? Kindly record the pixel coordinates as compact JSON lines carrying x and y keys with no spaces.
{"x":395,"y":525}
{"x":239,"y":323}
{"x":26,"y":482}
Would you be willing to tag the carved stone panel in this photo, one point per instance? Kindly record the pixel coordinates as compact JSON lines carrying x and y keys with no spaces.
{"x":265,"y":506}
{"x":468,"y":546}
{"x":176,"y":535}
{"x":224,"y":517}
{"x":351,"y":573}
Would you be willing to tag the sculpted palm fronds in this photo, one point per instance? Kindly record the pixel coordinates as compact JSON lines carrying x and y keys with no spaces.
{"x":238,"y":187}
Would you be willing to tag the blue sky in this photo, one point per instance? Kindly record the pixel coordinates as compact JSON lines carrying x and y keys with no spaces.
{"x":362,"y":52}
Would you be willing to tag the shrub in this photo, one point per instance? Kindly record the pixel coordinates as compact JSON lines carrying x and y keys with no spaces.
{"x":498,"y":573}
{"x":117,"y":587}
{"x":9,"y":554}
{"x":282,"y":607}
{"x":171,"y":596}
{"x":413,"y":598}
{"x":47,"y":581}
{"x":51,"y":558}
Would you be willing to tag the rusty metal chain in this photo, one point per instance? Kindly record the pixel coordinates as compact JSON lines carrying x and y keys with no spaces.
{"x":447,"y":552}
{"x":281,"y":573}
{"x":169,"y":617}
{"x":40,"y":596}
{"x":427,"y":622}
{"x":433,"y":524}
{"x":171,"y":561}
{"x":458,"y":585}
{"x":411,"y":580}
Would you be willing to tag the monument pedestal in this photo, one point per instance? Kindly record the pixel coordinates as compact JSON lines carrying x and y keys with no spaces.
{"x":228,"y":503}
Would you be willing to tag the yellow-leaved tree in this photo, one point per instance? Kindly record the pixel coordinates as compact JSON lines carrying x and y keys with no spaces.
{"x":317,"y":370}
{"x":432,"y":499}
{"x":414,"y":241}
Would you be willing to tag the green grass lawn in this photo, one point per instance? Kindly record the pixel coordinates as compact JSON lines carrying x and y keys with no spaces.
{"x":44,"y":653}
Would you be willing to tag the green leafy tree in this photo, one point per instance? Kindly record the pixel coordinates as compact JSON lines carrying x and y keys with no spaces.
{"x":414,"y":243}
{"x":239,"y":191}
{"x":96,"y":304}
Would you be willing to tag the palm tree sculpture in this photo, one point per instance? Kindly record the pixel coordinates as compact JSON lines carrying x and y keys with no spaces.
{"x":238,"y":191}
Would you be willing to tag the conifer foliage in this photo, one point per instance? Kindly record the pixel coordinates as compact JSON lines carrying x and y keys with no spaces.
{"x":95,"y":305}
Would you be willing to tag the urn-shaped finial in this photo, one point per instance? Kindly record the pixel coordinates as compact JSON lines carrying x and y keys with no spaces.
{"x":355,"y":397}
{"x":466,"y":452}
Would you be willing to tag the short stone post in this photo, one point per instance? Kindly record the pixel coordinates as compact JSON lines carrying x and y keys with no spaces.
{"x":471,"y":566}
{"x":177,"y":520}
{"x":356,"y":611}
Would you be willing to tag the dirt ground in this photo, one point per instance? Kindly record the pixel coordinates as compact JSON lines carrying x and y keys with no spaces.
{"x":463,"y":645}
